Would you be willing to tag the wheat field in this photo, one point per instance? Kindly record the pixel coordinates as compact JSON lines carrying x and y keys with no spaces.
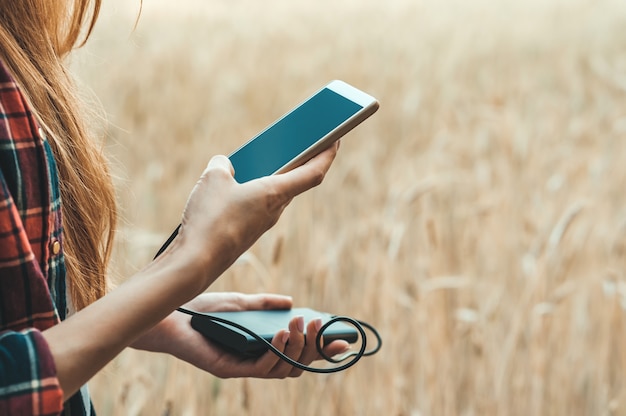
{"x":478,"y":220}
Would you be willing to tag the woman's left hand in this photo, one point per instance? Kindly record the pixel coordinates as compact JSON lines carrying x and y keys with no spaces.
{"x":174,"y":335}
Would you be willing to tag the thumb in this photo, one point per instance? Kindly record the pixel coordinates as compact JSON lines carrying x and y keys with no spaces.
{"x":263,"y":301}
{"x":221,"y":162}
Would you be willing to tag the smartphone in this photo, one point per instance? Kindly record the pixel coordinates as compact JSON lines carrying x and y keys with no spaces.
{"x":299,"y":135}
{"x":303,"y":132}
{"x":265,"y":323}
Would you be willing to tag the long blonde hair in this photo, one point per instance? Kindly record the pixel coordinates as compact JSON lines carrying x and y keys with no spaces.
{"x":35,"y":36}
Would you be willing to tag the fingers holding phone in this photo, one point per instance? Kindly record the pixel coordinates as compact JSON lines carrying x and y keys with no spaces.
{"x":307,"y":176}
{"x":236,"y":200}
{"x":226,"y":217}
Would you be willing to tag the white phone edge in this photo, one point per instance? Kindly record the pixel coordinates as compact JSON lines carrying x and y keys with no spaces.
{"x":369,"y":106}
{"x":352,"y":93}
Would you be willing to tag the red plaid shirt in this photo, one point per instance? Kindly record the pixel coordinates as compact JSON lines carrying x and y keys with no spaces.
{"x":32,"y":271}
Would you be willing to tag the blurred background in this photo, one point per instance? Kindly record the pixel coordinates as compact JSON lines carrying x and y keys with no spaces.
{"x":478,"y":220}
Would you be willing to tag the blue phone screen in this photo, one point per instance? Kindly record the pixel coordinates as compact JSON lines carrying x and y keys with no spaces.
{"x":291,"y":135}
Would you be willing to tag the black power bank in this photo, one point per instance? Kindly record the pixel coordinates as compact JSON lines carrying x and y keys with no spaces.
{"x":265,"y":323}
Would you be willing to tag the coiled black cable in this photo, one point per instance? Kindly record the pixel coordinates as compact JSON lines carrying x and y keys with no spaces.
{"x":357,"y":355}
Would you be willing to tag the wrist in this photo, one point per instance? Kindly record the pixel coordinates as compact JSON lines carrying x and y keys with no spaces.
{"x":205,"y":258}
{"x":192,"y":266}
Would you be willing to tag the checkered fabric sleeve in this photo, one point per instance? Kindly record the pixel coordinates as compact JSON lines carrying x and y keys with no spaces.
{"x":28,"y":382}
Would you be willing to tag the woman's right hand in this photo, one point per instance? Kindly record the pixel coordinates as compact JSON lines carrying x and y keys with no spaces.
{"x":223,"y":218}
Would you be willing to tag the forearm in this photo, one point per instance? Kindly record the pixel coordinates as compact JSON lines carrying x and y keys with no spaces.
{"x":221,"y":220}
{"x":88,"y":340}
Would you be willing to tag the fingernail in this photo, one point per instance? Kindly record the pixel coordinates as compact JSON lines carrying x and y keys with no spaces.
{"x":346,"y":349}
{"x":300,"y":324}
{"x":318,"y":324}
{"x":285,"y":337}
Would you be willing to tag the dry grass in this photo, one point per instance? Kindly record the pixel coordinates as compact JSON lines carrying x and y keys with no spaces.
{"x":478,"y":220}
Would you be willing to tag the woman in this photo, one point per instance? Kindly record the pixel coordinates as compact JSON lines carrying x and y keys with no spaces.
{"x":57,"y":217}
